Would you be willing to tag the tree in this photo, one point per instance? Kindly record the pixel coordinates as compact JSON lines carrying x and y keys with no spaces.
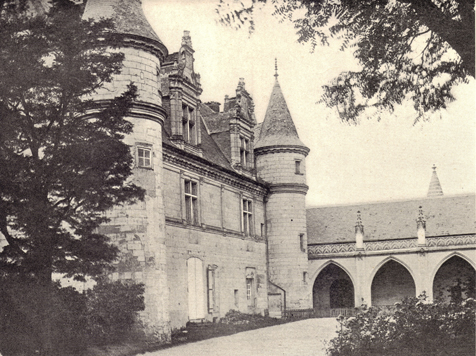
{"x":408,"y":49}
{"x":62,"y":158}
{"x":61,"y":166}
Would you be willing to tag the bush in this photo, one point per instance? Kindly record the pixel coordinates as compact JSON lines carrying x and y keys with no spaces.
{"x":112,"y":311}
{"x":77,"y":321}
{"x":415,"y":328}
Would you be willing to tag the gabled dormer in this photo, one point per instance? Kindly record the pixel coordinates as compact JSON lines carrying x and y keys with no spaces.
{"x":181,"y":91}
{"x":232,"y":129}
{"x":241,"y":124}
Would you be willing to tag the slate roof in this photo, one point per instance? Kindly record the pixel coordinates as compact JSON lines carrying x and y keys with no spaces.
{"x":446,"y":215}
{"x":128,"y":18}
{"x":278,"y":127}
{"x":211,"y":151}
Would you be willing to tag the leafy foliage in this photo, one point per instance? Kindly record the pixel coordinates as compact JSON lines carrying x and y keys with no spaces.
{"x":102,"y":315}
{"x":415,"y":328}
{"x":112,"y":309}
{"x":408,"y":49}
{"x":62,"y":166}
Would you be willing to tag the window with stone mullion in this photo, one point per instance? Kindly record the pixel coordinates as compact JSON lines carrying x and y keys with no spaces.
{"x":191,"y":201}
{"x":247,"y":221}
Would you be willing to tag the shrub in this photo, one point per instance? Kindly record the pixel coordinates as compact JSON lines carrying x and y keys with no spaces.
{"x":103,"y":315}
{"x":112,"y":310}
{"x":416,"y":328}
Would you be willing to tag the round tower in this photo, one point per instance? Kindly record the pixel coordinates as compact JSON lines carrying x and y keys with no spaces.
{"x":139,"y":230}
{"x":280,"y":161}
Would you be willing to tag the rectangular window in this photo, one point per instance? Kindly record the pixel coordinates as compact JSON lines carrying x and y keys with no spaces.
{"x":191,"y":201}
{"x":297,"y":166}
{"x":249,"y":288}
{"x":211,"y":289}
{"x":262,"y":229}
{"x":250,"y":292}
{"x":244,"y":152}
{"x":144,"y":157}
{"x":304,"y":277}
{"x":237,"y":298}
{"x":302,"y":242}
{"x":189,"y":130}
{"x":247,"y":220}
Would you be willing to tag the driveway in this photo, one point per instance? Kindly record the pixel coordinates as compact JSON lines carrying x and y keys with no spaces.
{"x":300,"y":338}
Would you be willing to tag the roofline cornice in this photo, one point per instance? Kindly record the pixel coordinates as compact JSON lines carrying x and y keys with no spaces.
{"x":205,"y":168}
{"x":258,"y":151}
{"x":139,"y":110}
{"x":280,"y":188}
{"x":139,"y":42}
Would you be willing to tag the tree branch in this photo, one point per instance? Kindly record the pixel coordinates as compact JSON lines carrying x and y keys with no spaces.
{"x":459,"y":35}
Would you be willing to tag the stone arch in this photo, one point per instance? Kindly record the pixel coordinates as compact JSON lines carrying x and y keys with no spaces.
{"x":454,"y":278}
{"x":392,"y":281}
{"x":341,"y":266}
{"x":333,"y":289}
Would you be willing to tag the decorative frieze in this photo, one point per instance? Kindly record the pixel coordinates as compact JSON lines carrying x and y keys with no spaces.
{"x":411,"y":244}
{"x":390,"y":244}
{"x":331,"y":248}
{"x":440,"y":241}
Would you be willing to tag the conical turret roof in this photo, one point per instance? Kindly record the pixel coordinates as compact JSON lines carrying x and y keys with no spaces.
{"x":278,"y":127}
{"x":128,"y":18}
{"x":435,"y":187}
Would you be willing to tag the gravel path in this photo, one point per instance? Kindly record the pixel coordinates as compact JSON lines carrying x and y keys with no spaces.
{"x":300,"y":338}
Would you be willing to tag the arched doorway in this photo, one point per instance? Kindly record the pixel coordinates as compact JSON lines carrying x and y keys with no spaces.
{"x":454,"y":281}
{"x":333,"y":292}
{"x":391,"y":284}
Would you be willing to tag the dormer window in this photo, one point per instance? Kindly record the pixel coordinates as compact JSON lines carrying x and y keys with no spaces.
{"x":189,"y":130}
{"x":244,"y":152}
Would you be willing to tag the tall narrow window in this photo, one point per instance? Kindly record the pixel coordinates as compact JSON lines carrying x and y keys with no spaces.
{"x":211,"y":288}
{"x":189,"y":131}
{"x":244,"y":152}
{"x":297,"y":167}
{"x":191,"y":201}
{"x":247,"y":220}
{"x":144,"y":157}
{"x":237,"y":298}
{"x":302,"y":242}
{"x":249,"y":288}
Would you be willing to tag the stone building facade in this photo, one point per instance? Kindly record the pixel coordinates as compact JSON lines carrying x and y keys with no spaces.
{"x":224,"y":223}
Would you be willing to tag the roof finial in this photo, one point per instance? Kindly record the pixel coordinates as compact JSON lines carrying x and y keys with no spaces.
{"x":276,"y":68}
{"x":435,"y":187}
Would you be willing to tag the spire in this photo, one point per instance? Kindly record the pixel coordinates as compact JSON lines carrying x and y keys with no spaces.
{"x":128,"y":17}
{"x":435,"y":188}
{"x":278,"y":127}
{"x":276,"y":68}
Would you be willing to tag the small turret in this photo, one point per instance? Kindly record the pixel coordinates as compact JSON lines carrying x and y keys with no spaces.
{"x":280,"y":161}
{"x":435,"y":187}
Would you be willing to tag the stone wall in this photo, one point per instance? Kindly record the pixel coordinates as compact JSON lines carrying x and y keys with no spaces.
{"x":139,"y":232}
{"x":230,"y":257}
{"x":139,"y":67}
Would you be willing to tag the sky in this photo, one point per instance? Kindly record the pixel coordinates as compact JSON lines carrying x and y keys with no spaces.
{"x":372,"y":161}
